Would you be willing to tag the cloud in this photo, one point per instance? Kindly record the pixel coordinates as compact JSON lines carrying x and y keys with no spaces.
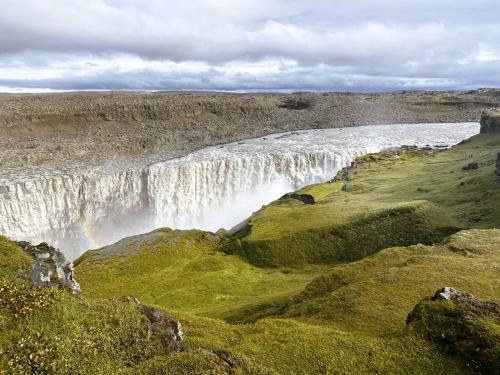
{"x":242,"y":45}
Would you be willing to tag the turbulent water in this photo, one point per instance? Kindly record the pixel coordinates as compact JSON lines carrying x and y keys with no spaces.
{"x":209,"y":189}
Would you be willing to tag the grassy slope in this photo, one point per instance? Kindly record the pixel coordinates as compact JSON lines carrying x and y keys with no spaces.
{"x":185,"y":270}
{"x":414,"y":199}
{"x":351,"y":318}
{"x":376,"y":293}
{"x":47,"y":331}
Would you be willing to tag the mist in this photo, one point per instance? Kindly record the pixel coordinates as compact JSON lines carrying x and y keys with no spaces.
{"x":213,"y":188}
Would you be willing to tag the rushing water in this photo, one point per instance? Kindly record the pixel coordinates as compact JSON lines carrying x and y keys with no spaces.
{"x":209,"y":189}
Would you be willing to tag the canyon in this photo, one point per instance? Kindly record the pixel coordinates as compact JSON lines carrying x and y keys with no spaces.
{"x":209,"y":189}
{"x":66,"y":131}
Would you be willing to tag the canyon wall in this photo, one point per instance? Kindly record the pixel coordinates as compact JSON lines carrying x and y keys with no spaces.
{"x":212,"y":188}
{"x":64,"y":129}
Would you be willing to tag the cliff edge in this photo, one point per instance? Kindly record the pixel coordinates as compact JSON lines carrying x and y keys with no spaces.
{"x":490,"y":122}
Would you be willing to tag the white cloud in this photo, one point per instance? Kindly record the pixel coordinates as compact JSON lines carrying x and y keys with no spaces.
{"x":273,"y":44}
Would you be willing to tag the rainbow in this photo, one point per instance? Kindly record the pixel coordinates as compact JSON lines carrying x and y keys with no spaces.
{"x":89,"y":234}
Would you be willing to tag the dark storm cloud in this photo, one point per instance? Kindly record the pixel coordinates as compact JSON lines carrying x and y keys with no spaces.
{"x":243,"y":45}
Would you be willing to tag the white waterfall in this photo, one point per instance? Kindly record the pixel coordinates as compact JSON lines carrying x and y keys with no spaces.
{"x":212,"y":188}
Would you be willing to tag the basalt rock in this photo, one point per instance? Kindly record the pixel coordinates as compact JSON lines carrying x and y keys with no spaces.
{"x":305,"y":198}
{"x":450,"y":294}
{"x":462,"y":325}
{"x":50,"y":268}
{"x":297,"y":102}
{"x":160,"y":325}
{"x":472,"y":165}
{"x":490,"y":122}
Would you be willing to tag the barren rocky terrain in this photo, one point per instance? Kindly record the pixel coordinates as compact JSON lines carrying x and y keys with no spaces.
{"x":88,"y":128}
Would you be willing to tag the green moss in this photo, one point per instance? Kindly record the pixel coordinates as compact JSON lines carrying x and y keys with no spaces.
{"x":109,"y":336}
{"x":49,"y":331}
{"x":199,"y":362}
{"x":349,"y":219}
{"x":409,"y":223}
{"x":466,"y":327}
{"x":369,"y":298}
{"x":12,"y":258}
{"x":376,"y":293}
{"x":59,"y":334}
{"x":287,"y":346}
{"x":185,"y":270}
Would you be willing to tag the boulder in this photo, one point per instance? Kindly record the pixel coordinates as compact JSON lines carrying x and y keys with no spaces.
{"x":160,"y":325}
{"x":461,"y":325}
{"x":490,"y":122}
{"x":50,"y":268}
{"x":472,"y":165}
{"x":304,"y":198}
{"x":449,"y":294}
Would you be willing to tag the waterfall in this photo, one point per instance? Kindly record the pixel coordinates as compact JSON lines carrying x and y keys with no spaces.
{"x":208,"y":189}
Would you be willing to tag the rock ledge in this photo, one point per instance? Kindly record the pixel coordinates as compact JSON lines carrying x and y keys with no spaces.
{"x":50,"y":268}
{"x":490,"y":122}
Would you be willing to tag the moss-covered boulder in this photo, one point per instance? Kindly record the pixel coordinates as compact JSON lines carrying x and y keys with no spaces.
{"x":462,"y":325}
{"x":161,"y":326}
{"x":490,"y":122}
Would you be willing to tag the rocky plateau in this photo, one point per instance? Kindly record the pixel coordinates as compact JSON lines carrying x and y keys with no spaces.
{"x":74,"y":130}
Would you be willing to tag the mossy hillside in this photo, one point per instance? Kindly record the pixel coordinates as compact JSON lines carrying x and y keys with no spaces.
{"x":62,"y":334}
{"x":13,"y":259}
{"x":464,"y":326}
{"x":402,"y":224}
{"x":49,"y":331}
{"x":288,"y":232}
{"x":185,"y":270}
{"x":376,"y":293}
{"x":353,"y":312}
{"x":287,"y":346}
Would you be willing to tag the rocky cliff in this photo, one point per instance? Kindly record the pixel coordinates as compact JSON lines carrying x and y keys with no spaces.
{"x":490,"y":122}
{"x":57,"y":130}
{"x":49,"y":268}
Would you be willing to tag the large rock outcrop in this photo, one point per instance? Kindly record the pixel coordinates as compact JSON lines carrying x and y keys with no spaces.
{"x":161,"y":326}
{"x":490,"y":122}
{"x":50,"y":268}
{"x":461,"y":325}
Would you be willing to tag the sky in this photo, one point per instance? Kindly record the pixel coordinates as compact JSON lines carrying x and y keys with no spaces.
{"x":257,"y":45}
